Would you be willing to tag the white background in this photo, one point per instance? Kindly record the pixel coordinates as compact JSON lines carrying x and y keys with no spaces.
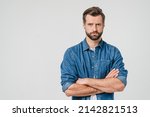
{"x":34,"y":35}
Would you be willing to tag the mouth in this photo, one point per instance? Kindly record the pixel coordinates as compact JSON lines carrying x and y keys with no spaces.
{"x":94,"y":34}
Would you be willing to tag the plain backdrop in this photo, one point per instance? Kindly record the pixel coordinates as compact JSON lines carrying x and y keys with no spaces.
{"x":34,"y":35}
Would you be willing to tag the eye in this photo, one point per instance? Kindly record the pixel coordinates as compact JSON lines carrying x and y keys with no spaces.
{"x":98,"y":24}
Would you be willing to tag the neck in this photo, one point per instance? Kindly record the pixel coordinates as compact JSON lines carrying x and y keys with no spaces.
{"x":92,"y":43}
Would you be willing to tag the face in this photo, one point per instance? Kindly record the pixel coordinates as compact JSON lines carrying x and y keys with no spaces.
{"x":94,"y":26}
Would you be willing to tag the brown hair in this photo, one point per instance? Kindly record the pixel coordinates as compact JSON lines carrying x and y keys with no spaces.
{"x":93,"y":11}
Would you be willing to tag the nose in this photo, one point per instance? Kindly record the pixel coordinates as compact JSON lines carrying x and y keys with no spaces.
{"x":94,"y":28}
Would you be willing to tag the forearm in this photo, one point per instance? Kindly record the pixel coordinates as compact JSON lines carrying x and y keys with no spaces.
{"x":108,"y":85}
{"x":81,"y":90}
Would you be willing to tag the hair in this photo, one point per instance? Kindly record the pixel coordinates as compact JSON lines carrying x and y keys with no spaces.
{"x":93,"y":11}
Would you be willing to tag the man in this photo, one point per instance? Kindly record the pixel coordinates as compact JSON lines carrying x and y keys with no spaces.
{"x":93,"y":69}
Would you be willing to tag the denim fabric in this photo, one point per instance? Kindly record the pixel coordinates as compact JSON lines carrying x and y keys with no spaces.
{"x":81,"y":62}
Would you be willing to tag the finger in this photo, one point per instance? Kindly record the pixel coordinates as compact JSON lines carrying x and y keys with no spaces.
{"x":116,"y":71}
{"x":116,"y":75}
{"x":113,"y":73}
{"x":109,"y":74}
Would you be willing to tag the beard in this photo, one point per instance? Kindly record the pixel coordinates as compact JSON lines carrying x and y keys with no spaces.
{"x":95,"y":35}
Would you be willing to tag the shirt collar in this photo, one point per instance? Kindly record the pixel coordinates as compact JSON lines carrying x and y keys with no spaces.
{"x":86,"y":46}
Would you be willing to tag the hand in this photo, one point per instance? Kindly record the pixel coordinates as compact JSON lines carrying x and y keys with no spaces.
{"x":82,"y":81}
{"x":113,"y":73}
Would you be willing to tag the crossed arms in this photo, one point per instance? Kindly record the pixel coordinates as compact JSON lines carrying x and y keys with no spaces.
{"x":90,"y":86}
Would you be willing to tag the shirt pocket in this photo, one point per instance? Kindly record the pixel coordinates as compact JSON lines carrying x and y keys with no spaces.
{"x":104,"y":67}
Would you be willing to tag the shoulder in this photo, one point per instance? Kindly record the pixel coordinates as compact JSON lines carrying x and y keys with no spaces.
{"x":74,"y":49}
{"x":111,"y":50}
{"x":109,"y":47}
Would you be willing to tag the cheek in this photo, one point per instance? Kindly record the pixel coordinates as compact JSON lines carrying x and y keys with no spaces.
{"x":87,"y":29}
{"x":100,"y":29}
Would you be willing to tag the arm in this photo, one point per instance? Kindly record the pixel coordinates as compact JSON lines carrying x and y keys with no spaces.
{"x":112,"y":83}
{"x":81,"y":90}
{"x":86,"y":86}
{"x":109,"y":84}
{"x":69,"y":78}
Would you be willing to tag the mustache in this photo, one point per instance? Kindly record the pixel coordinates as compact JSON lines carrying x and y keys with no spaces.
{"x":95,"y":32}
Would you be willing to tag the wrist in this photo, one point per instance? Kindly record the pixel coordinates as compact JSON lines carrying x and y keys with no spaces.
{"x":87,"y":81}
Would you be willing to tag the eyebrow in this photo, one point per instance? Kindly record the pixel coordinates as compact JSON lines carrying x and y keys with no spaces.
{"x":93,"y":23}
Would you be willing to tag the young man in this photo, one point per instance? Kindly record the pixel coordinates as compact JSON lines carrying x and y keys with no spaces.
{"x":93,"y":69}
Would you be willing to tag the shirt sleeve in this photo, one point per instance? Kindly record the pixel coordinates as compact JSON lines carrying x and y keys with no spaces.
{"x":68,"y":70}
{"x":118,"y":64}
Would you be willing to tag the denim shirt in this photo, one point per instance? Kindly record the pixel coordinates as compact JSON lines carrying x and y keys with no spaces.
{"x":81,"y":62}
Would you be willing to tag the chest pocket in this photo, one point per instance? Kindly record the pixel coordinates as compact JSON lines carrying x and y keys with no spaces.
{"x":104,"y":67}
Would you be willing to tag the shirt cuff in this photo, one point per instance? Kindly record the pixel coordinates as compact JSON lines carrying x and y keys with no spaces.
{"x":66,"y":86}
{"x":123,"y":79}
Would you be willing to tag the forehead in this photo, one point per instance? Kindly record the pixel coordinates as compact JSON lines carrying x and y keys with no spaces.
{"x":94,"y":19}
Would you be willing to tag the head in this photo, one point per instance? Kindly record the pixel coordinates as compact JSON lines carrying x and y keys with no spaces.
{"x":93,"y":22}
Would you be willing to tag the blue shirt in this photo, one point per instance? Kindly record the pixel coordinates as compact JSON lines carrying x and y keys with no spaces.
{"x":81,"y":62}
